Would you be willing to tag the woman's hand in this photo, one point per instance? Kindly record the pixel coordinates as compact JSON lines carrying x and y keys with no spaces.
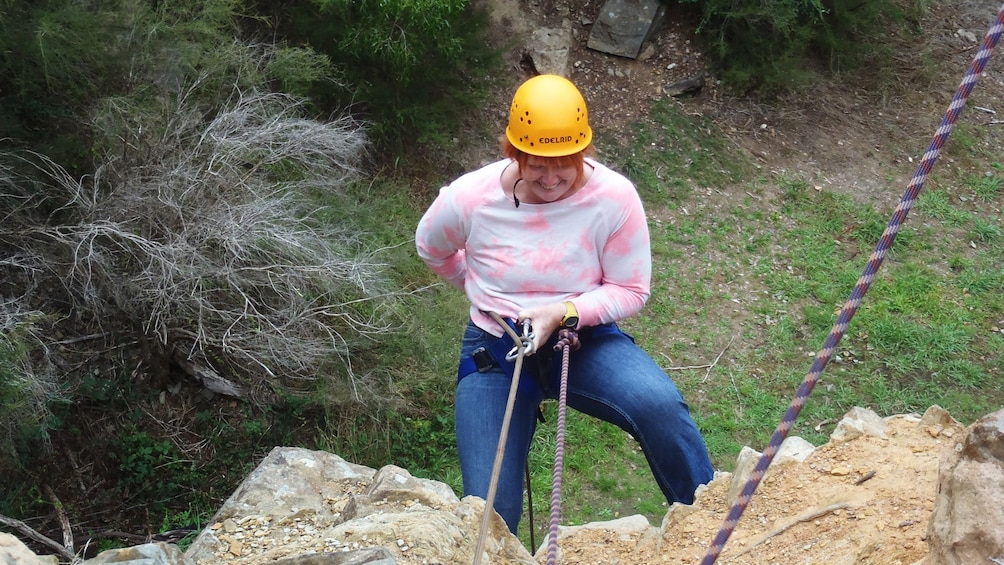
{"x":544,"y":321}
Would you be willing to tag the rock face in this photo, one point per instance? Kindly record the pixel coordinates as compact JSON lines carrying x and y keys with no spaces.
{"x":147,"y":554}
{"x":13,"y":552}
{"x":301,"y":502}
{"x":623,"y":25}
{"x":873,"y":494}
{"x":968,"y":521}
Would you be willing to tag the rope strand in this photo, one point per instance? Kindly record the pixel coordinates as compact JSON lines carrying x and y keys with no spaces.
{"x":852,"y":304}
{"x":503,"y":437}
{"x":567,"y":340}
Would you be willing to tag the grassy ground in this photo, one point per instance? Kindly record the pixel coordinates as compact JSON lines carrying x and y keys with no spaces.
{"x":750,"y":271}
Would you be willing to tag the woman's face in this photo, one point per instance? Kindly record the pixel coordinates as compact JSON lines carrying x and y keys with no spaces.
{"x":545,"y":181}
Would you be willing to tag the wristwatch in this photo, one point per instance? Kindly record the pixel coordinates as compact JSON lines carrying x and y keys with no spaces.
{"x":571,"y":317}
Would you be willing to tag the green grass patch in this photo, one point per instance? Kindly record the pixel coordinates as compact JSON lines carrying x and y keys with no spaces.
{"x":745,"y":291}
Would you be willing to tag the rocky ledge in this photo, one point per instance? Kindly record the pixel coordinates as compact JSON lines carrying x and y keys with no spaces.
{"x":906,"y":489}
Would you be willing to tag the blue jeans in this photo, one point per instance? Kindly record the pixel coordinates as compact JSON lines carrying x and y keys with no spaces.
{"x":609,"y":378}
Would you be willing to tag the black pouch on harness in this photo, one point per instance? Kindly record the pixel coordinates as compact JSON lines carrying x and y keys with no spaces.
{"x":484,"y":359}
{"x":543,"y":366}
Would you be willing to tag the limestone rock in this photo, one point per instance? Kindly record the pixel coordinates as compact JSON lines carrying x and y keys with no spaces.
{"x":147,"y":554}
{"x":792,"y":448}
{"x":966,"y":524}
{"x":857,"y":422}
{"x":551,"y":46}
{"x":301,"y":502}
{"x":626,"y":530}
{"x":13,"y":552}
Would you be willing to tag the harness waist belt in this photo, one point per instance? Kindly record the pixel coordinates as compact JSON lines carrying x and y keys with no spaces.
{"x":495,"y":354}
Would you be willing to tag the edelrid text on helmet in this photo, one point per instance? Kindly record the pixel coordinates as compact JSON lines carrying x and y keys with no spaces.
{"x":548,"y":118}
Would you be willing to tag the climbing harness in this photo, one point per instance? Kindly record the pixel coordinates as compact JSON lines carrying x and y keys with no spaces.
{"x":520,"y":352}
{"x":502,"y":352}
{"x":568,"y":340}
{"x":852,"y":304}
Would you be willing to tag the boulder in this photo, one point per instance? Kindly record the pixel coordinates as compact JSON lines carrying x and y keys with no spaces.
{"x":300,"y":502}
{"x":13,"y":552}
{"x":624,"y":25}
{"x":966,"y":525}
{"x":147,"y":554}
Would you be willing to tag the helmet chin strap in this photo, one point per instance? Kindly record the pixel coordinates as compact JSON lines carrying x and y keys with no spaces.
{"x":515,"y":198}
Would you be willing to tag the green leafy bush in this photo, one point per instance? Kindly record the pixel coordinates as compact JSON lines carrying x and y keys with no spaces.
{"x":774,"y":45}
{"x":56,"y":58}
{"x":409,"y":66}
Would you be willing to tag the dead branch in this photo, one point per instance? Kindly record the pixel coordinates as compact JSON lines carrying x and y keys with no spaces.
{"x":64,"y":522}
{"x":808,"y":517}
{"x":115,"y":534}
{"x":864,"y":478}
{"x":824,"y":422}
{"x":707,"y":366}
{"x":685,"y":367}
{"x":210,"y":378}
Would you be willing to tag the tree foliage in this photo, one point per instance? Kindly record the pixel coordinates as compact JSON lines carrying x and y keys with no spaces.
{"x":776,"y":44}
{"x":56,"y":58}
{"x":410,"y":67}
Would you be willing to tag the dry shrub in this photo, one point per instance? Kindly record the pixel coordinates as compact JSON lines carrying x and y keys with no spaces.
{"x":27,"y":386}
{"x":195,"y":235}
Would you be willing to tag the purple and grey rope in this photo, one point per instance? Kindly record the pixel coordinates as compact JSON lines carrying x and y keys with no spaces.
{"x":850,"y":307}
{"x":503,"y":435}
{"x":567,"y":340}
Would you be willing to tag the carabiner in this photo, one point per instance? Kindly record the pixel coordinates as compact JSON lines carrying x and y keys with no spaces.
{"x":526,"y":340}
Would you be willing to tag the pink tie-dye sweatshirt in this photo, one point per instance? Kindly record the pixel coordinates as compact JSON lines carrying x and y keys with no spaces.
{"x":591,"y":248}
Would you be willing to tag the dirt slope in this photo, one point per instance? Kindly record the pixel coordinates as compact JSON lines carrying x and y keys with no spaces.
{"x":865,"y":501}
{"x":862,"y":135}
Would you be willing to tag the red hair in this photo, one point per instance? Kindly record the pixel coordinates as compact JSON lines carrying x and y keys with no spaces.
{"x":576,"y":160}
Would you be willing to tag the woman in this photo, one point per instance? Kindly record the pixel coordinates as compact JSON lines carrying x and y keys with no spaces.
{"x":552,"y":236}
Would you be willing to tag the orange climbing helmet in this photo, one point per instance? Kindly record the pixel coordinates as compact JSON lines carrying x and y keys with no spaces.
{"x":548,"y":118}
